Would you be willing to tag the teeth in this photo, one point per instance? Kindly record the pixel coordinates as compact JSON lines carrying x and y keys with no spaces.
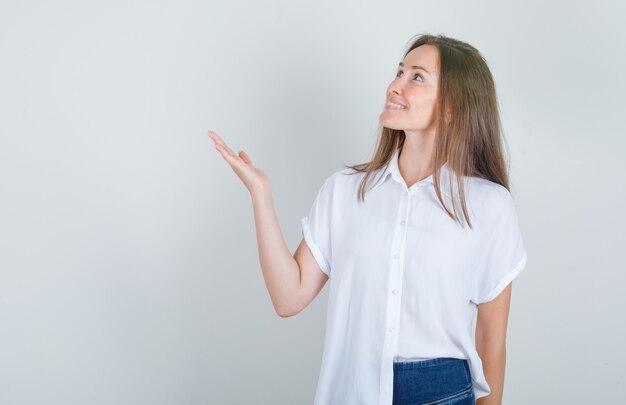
{"x":395,"y":105}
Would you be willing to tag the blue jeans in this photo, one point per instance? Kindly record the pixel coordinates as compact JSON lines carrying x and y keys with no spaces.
{"x":439,"y":381}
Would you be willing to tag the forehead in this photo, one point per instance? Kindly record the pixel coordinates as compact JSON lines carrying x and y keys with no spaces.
{"x":426,"y":56}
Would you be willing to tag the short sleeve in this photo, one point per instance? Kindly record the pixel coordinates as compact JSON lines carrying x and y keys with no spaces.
{"x":505,"y":256}
{"x":316,"y":227}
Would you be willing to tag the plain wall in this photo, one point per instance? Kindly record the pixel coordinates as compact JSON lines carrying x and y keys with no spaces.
{"x":129,"y":269}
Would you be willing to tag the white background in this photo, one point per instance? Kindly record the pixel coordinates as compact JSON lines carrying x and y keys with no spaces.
{"x":129,"y":269}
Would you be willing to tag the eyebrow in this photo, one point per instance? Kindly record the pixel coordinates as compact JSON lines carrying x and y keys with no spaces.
{"x":414,"y":67}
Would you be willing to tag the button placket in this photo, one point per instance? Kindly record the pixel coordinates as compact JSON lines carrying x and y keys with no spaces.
{"x":393,"y":307}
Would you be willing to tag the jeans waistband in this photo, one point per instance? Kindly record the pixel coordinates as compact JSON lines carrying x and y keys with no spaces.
{"x":403,"y":365}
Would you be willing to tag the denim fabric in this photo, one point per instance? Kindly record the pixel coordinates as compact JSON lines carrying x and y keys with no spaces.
{"x":438,"y":381}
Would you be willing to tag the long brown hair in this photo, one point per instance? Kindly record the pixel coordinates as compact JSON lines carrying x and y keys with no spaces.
{"x":470,"y":140}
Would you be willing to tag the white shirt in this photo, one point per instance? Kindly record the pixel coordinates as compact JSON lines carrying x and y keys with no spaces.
{"x":404,"y":278}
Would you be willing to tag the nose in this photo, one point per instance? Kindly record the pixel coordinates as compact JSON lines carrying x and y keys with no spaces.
{"x":395,"y":87}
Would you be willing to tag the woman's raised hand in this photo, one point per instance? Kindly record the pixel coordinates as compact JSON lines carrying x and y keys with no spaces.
{"x":253,"y":178}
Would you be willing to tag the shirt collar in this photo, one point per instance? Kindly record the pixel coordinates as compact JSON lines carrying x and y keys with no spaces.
{"x":392,"y":169}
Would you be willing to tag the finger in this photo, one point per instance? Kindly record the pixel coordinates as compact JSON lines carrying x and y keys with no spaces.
{"x":218,"y":140}
{"x":228,"y":155}
{"x":245,"y":156}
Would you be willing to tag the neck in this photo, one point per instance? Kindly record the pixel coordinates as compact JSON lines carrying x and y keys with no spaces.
{"x":415,"y":161}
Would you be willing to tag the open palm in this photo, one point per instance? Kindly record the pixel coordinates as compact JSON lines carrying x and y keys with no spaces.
{"x":252,"y":177}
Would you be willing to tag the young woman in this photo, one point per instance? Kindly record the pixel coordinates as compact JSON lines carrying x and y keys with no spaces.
{"x":421,"y":270}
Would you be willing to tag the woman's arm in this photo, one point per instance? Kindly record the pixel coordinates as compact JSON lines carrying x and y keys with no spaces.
{"x":491,"y":326}
{"x":280,"y":269}
{"x":292,"y":282}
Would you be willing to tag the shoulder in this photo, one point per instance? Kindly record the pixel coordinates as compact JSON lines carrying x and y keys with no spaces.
{"x":489,"y":192}
{"x":343,"y":179}
{"x":340,"y":187}
{"x":490,"y":200}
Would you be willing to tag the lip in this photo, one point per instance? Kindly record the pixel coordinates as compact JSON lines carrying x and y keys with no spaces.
{"x":391,"y":107}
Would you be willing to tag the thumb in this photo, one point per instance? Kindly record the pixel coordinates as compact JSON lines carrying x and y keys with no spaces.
{"x":244,"y":156}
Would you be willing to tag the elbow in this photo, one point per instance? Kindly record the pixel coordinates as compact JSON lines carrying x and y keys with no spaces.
{"x":286,"y":312}
{"x":283,"y":314}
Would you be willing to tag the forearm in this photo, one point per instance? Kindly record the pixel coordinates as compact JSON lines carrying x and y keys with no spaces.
{"x":493,"y":357}
{"x":280,"y":270}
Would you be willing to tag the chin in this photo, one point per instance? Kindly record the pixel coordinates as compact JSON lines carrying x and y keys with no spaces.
{"x":389,"y":124}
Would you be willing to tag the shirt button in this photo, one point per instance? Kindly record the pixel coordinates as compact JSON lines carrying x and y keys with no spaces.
{"x":394,"y":291}
{"x":396,"y":255}
{"x":403,"y":222}
{"x":390,"y":329}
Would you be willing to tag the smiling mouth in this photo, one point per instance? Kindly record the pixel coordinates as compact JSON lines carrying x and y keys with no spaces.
{"x":394,"y":106}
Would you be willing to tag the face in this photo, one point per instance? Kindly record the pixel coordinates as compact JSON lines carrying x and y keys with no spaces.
{"x":411,"y":96}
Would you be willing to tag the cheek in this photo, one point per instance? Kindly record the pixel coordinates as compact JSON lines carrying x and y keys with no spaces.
{"x":423,"y":105}
{"x":423,"y":111}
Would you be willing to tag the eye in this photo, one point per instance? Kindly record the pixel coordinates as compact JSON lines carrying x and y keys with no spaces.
{"x":416,"y":75}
